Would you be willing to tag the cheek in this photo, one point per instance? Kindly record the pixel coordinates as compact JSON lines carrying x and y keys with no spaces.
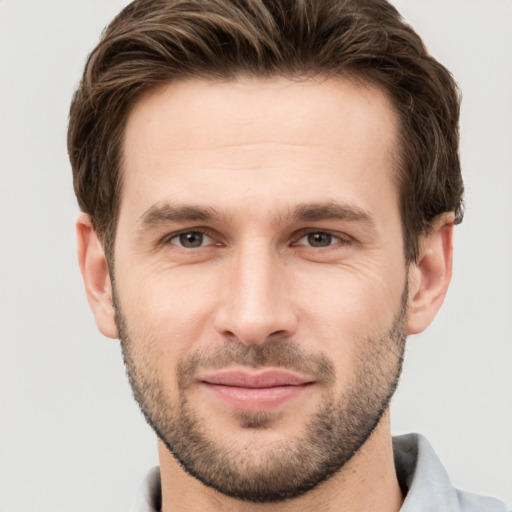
{"x":350,"y":297}
{"x":172,"y":307}
{"x":348,"y":309}
{"x":163,"y":324}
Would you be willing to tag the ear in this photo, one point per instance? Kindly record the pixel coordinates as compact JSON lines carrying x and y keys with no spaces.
{"x":94,"y":268}
{"x":430,"y":276}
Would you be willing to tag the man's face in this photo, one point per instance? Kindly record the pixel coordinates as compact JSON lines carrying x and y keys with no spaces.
{"x":260,"y":281}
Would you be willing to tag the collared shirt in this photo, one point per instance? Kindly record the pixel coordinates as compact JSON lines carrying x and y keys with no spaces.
{"x":422,"y":478}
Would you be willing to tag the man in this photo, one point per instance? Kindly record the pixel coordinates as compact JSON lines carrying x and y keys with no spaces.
{"x":269,"y":191}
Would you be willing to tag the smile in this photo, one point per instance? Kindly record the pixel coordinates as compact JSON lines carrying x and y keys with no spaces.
{"x":255,"y":391}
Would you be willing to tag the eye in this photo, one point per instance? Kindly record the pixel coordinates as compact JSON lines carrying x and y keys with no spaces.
{"x":191,"y":239}
{"x":321,"y":239}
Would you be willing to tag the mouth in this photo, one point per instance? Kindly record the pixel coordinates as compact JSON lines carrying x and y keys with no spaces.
{"x":257,"y":390}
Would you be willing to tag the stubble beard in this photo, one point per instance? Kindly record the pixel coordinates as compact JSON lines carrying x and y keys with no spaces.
{"x":288,"y":468}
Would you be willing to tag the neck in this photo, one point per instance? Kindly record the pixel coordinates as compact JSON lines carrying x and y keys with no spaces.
{"x":366,"y":483}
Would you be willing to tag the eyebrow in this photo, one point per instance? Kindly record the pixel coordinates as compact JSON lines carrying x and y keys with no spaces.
{"x":163,"y":213}
{"x":332,"y":211}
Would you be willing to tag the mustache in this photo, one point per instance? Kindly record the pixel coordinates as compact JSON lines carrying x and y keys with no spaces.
{"x":270,"y":353}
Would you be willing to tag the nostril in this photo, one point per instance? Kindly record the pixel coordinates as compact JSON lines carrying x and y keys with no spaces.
{"x":277,"y":333}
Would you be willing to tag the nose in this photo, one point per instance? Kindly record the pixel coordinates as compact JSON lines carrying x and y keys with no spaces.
{"x":256,"y":301}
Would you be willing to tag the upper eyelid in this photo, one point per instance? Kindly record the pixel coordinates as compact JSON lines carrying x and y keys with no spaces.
{"x":307,"y":231}
{"x":169,"y":236}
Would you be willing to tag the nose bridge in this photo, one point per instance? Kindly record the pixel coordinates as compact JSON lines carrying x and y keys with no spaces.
{"x":257,"y":303}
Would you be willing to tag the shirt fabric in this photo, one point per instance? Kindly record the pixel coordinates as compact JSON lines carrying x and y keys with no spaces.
{"x":422,"y":478}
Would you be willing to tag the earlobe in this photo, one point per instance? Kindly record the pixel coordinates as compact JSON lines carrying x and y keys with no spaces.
{"x":95,"y":274}
{"x":430,"y":276}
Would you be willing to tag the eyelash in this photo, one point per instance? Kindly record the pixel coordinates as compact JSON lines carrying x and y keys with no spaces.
{"x":200,"y":231}
{"x":340,"y":239}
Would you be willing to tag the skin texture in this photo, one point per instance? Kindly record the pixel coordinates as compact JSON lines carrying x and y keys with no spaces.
{"x":295,"y":257}
{"x":283,"y":467}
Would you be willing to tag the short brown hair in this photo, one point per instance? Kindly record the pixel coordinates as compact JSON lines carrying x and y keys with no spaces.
{"x":156,"y":41}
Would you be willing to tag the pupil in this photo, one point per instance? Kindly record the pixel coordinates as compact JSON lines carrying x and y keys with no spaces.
{"x":319,"y":239}
{"x":192,"y":239}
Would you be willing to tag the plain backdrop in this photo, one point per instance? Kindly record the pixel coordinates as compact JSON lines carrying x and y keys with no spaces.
{"x":71,"y":437}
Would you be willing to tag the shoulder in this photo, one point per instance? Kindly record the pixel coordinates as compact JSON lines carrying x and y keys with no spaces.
{"x":426,"y":485}
{"x":469,"y":502}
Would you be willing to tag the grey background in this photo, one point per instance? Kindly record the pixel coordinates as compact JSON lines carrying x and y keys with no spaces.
{"x":71,"y":438}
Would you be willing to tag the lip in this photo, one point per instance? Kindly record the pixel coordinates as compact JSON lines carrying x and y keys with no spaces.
{"x":265,"y":378}
{"x":255,"y":391}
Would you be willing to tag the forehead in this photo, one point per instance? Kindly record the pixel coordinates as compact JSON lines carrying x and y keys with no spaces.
{"x":293,"y":139}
